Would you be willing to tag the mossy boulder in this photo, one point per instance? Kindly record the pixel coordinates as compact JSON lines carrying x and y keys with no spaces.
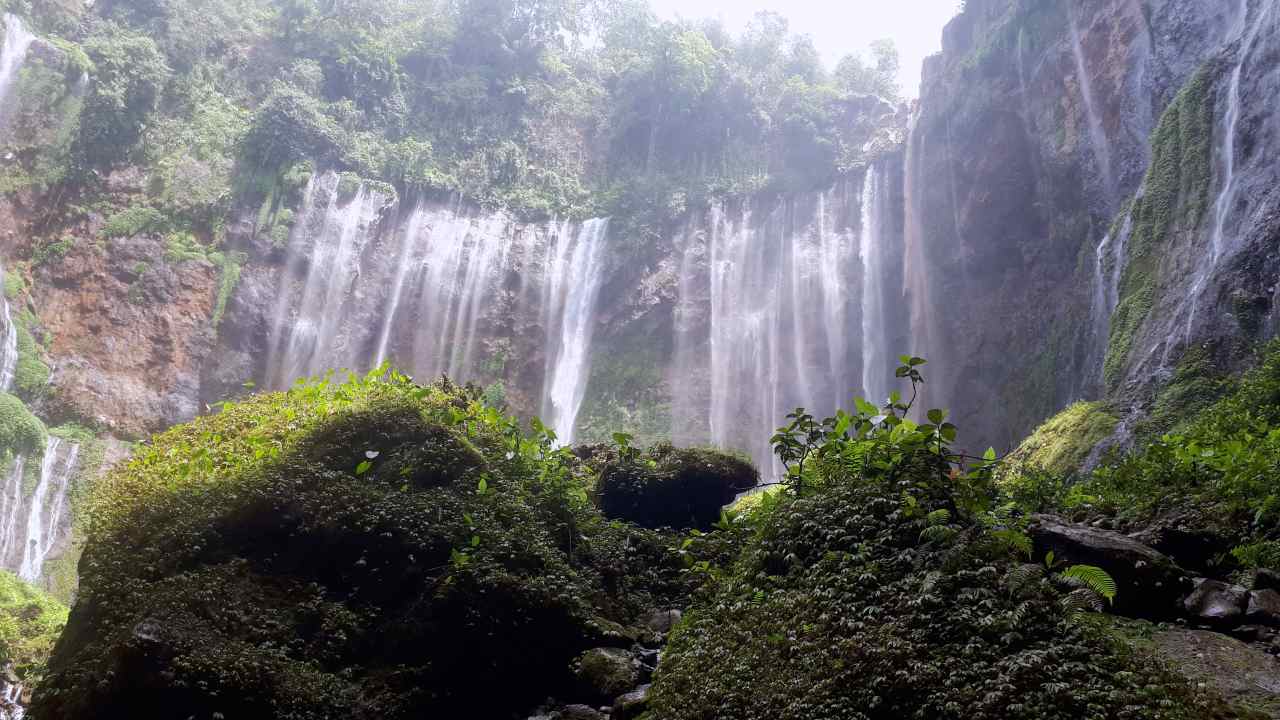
{"x":1063,"y":443}
{"x":842,"y":607}
{"x":368,"y":550}
{"x":673,"y":487}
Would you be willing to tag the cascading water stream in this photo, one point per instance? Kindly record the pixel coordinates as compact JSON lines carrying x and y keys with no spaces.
{"x":431,"y":294}
{"x":763,"y":320}
{"x":308,"y":334}
{"x":8,"y":344}
{"x":17,"y":40}
{"x":1097,"y":135}
{"x":1226,"y":152}
{"x":47,"y":505}
{"x":579,"y":279}
{"x":32,"y":522}
{"x":875,"y":356}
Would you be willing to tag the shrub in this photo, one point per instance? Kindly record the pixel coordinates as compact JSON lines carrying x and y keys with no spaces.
{"x":20,"y":431}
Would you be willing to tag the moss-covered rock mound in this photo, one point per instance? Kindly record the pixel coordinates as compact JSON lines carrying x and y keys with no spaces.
{"x":30,"y":621}
{"x":372,"y":549}
{"x":873,"y":600}
{"x":673,"y":487}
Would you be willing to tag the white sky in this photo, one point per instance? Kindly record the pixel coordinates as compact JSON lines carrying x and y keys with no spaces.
{"x":839,"y":27}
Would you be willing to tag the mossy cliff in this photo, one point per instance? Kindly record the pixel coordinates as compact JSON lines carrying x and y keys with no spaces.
{"x":365,"y":549}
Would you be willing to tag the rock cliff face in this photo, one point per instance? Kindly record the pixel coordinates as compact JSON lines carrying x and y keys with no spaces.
{"x":1091,"y":180}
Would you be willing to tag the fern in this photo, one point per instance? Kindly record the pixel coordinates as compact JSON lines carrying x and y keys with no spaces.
{"x":1265,"y":554}
{"x":940,"y":534}
{"x":1015,"y":540}
{"x":1093,"y":578}
{"x":1023,"y":576}
{"x":941,"y":516}
{"x":1079,"y":600}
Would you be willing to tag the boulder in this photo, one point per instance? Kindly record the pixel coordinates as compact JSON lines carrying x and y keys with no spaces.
{"x":662,"y":621}
{"x":1216,"y":603}
{"x":605,"y":673}
{"x":1148,"y":582}
{"x":632,"y":704}
{"x":1264,"y":579}
{"x":580,"y":712}
{"x":673,"y":487}
{"x":1263,"y":607}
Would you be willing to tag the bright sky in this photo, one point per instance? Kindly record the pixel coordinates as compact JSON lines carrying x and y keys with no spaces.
{"x":839,"y":27}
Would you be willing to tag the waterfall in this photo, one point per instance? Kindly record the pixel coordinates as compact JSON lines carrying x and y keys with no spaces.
{"x":11,"y":514}
{"x":11,"y":707}
{"x":48,"y":505}
{"x":8,"y":343}
{"x":1226,"y":153}
{"x":309,"y":334}
{"x":763,"y":320}
{"x":875,"y":356}
{"x":438,"y":292}
{"x":1097,"y":135}
{"x":1108,"y":266}
{"x":16,"y":42}
{"x":33,"y":523}
{"x":578,"y":280}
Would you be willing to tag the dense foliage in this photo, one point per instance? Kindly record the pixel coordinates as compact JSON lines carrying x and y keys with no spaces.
{"x":1211,"y":472}
{"x":30,"y":622}
{"x":571,"y":106}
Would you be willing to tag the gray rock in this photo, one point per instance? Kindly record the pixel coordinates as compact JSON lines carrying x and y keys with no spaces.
{"x":580,"y":712}
{"x":662,"y":621}
{"x":632,"y":704}
{"x":1264,"y":607}
{"x":1216,"y":603}
{"x":606,"y":672}
{"x":1148,"y":583}
{"x":1264,"y":579}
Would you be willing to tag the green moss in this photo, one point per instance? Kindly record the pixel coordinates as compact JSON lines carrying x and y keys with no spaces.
{"x":1196,"y":384}
{"x":40,"y":132}
{"x":30,"y":622}
{"x":370,"y":545}
{"x":1063,"y":442}
{"x":348,"y":185}
{"x":14,"y":285}
{"x":232,"y":263}
{"x":31,"y":374}
{"x":674,"y":487}
{"x":20,"y":431}
{"x":1175,"y":196}
{"x":626,"y":392}
{"x":133,"y":221}
{"x":839,"y":609}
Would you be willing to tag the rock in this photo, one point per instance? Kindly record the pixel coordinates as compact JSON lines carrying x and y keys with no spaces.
{"x":1253,"y":633}
{"x":580,"y":712}
{"x":632,"y":704}
{"x":1216,"y":603}
{"x":1148,"y":583}
{"x":1264,"y":579}
{"x":662,"y":621}
{"x":606,"y":672}
{"x":1264,"y":607}
{"x":1242,"y":673}
{"x":674,"y":487}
